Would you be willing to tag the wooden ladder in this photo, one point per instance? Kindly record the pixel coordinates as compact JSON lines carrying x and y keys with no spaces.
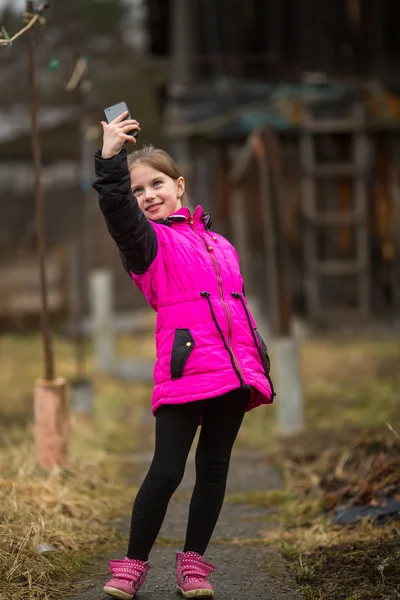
{"x":315,"y":221}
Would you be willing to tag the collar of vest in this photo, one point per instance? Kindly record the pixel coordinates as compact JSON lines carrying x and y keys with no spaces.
{"x":183,"y":215}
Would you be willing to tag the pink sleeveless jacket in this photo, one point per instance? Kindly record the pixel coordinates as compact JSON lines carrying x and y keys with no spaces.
{"x":206,"y":340}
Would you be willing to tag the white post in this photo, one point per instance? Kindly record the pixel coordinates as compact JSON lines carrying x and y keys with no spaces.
{"x":102,"y":317}
{"x":287,"y":383}
{"x":285,"y":373}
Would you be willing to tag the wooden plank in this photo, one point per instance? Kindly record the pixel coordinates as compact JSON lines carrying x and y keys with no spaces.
{"x":240,"y":226}
{"x":274,"y":37}
{"x":268,"y":235}
{"x":333,"y":170}
{"x":243,"y":159}
{"x":340,"y":314}
{"x":222,"y":192}
{"x":26,"y":302}
{"x":361,"y":154}
{"x":329,"y":268}
{"x":395,"y":200}
{"x":334,"y":218}
{"x":282,"y":263}
{"x":308,"y":193}
{"x":323,"y":126}
{"x":24,"y":274}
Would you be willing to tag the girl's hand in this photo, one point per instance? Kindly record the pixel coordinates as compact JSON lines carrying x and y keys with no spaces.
{"x":115,"y":134}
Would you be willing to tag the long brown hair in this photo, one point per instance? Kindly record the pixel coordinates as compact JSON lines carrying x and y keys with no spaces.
{"x":159,"y":160}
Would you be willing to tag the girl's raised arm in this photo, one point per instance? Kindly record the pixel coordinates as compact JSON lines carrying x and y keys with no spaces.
{"x":132,"y":232}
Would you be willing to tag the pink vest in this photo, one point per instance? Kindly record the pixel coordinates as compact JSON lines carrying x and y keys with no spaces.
{"x":205,"y":335}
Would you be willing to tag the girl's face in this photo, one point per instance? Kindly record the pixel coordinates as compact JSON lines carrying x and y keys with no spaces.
{"x":158,"y":194}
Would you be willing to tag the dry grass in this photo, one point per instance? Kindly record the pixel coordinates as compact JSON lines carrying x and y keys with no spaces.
{"x":352,"y":391}
{"x":358,"y":563}
{"x":67,"y":511}
{"x":350,"y":386}
{"x":75,"y":511}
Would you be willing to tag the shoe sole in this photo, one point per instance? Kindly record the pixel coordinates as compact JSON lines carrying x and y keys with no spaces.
{"x":201,"y":593}
{"x":114,"y":593}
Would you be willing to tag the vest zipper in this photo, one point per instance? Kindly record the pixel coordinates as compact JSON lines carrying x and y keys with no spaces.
{"x":226,"y":307}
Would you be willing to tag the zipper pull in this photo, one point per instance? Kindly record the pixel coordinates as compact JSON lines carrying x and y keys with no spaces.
{"x":191,"y":221}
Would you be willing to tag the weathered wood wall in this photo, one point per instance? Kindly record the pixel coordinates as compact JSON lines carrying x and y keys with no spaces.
{"x":282,"y":39}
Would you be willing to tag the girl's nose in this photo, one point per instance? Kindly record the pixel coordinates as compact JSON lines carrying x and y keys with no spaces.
{"x":149,"y":194}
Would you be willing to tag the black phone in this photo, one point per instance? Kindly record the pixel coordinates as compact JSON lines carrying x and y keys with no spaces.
{"x":117,"y":109}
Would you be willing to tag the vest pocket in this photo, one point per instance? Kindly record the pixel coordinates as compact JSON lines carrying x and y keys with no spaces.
{"x":267,"y":362}
{"x":181,"y":349}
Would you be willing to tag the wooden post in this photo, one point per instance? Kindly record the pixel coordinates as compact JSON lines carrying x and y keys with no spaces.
{"x":286,"y":352}
{"x":362,"y":162}
{"x":242,"y":159}
{"x":222,"y":192}
{"x":240,"y":234}
{"x":200,"y":191}
{"x":395,"y":225}
{"x":268,"y":232}
{"x":281,"y":250}
{"x":286,"y":365}
{"x":309,"y":202}
{"x":181,"y":59}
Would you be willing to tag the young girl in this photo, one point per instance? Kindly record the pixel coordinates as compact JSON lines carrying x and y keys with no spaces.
{"x":212,"y":365}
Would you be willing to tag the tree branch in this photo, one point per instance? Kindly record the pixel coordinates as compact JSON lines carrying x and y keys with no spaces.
{"x":32,"y":18}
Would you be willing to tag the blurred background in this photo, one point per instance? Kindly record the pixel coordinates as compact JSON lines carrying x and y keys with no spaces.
{"x":318,"y":87}
{"x":284,"y":116}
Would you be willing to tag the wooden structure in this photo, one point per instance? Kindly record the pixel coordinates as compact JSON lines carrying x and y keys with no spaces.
{"x":277,"y":63}
{"x":330,"y":215}
{"x":262,"y":157}
{"x":262,"y":151}
{"x":223,"y":68}
{"x":278,"y":40}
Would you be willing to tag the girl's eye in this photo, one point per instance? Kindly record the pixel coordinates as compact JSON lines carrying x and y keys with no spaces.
{"x":136,"y":191}
{"x":157,"y":183}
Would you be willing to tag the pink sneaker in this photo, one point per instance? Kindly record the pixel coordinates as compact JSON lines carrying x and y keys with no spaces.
{"x":128,"y":576}
{"x":191,"y":575}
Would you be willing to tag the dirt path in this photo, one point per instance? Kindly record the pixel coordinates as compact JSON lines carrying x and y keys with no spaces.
{"x":245,"y":566}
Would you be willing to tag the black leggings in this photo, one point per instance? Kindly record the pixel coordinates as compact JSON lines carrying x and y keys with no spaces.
{"x":176,"y":427}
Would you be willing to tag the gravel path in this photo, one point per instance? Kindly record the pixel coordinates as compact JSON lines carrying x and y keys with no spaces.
{"x":245,"y":567}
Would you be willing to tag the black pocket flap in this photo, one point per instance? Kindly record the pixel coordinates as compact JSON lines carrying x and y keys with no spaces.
{"x":264,"y":348}
{"x":181,"y":349}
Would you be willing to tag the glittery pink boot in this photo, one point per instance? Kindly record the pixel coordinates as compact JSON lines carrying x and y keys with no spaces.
{"x":191,"y":575}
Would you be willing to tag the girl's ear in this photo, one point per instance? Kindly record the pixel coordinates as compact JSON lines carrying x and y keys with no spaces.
{"x":180,"y":187}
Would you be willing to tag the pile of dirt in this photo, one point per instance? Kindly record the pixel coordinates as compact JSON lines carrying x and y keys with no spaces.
{"x":366,"y":472}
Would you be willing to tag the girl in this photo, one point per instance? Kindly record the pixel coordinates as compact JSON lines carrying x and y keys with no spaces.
{"x":212,"y":365}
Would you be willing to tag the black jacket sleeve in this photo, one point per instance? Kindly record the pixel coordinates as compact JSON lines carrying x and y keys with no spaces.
{"x":131,"y":231}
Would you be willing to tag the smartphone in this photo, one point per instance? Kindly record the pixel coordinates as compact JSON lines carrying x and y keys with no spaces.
{"x":117,"y":109}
